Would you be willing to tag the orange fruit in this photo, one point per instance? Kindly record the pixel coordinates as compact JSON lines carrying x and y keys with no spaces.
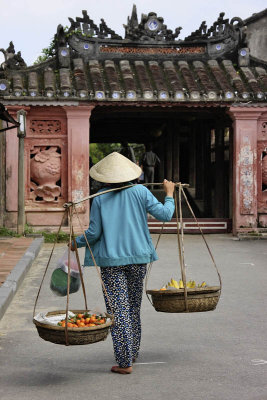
{"x":80,"y":316}
{"x":82,"y":324}
{"x":91,"y":324}
{"x":82,"y":319}
{"x":69,"y":324}
{"x":101,"y":321}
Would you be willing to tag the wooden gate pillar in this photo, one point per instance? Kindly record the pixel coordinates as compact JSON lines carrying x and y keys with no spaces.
{"x":168,"y":155}
{"x":78,"y":128}
{"x":244,"y":168}
{"x":219,"y":172}
{"x":200,"y":170}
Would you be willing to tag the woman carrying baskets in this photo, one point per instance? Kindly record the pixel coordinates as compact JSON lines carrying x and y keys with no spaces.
{"x":121,"y":244}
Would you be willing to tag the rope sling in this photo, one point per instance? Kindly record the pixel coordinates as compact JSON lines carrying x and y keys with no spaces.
{"x":70,"y":210}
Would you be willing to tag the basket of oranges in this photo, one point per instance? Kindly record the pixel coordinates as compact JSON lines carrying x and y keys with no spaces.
{"x":81,"y":327}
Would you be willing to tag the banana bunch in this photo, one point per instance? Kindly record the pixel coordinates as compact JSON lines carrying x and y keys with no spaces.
{"x":203,"y":284}
{"x":180,"y":285}
{"x":191,"y":284}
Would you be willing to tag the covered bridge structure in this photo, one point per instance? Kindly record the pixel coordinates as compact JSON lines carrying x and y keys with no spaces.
{"x":200,"y":101}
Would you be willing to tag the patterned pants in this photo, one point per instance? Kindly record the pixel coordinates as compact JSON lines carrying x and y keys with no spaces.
{"x":124,"y":286}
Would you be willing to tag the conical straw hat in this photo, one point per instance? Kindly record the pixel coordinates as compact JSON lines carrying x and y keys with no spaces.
{"x":115,"y":168}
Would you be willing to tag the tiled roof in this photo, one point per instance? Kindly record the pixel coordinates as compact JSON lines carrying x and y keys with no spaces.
{"x":137,"y":80}
{"x":150,"y":65}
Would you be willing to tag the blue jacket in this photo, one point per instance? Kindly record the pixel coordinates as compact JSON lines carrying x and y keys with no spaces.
{"x":118,"y":232}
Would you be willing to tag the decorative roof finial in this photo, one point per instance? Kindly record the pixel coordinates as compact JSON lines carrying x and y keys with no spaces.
{"x":12,"y":60}
{"x":151,"y":28}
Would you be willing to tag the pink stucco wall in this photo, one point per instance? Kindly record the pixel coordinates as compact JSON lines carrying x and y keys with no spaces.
{"x":245,"y":168}
{"x":78,"y":128}
{"x":71,"y":133}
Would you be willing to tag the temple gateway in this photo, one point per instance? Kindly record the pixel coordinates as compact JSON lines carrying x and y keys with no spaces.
{"x":200,"y":101}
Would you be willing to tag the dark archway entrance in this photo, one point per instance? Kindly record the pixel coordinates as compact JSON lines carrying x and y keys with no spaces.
{"x":194,"y":146}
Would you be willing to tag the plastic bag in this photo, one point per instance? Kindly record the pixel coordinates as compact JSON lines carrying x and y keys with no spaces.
{"x":59,"y":278}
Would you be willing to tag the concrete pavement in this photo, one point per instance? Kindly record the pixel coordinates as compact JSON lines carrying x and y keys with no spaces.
{"x":200,"y":356}
{"x":16,"y":257}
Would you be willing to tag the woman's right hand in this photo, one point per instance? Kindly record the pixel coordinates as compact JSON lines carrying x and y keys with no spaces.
{"x":168,"y":187}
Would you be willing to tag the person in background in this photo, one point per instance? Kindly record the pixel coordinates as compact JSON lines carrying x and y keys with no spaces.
{"x":128,"y":152}
{"x":122,"y":246}
{"x":149,"y":161}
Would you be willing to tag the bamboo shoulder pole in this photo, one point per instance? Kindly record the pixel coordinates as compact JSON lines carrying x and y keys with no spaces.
{"x":69,"y":204}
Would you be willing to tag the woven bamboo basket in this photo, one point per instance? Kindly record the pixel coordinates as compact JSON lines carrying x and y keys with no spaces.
{"x":198,"y":299}
{"x":76,"y":336}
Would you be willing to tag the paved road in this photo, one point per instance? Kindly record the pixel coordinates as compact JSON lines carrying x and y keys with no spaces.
{"x":200,"y":356}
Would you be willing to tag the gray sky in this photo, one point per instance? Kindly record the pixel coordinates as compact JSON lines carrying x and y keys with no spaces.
{"x":31,"y":24}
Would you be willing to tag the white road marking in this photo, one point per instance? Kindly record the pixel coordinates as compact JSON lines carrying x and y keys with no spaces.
{"x":247,"y":263}
{"x":148,"y":363}
{"x":258,"y":362}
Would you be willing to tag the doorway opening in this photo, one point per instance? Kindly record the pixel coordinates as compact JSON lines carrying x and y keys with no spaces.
{"x":194,"y":146}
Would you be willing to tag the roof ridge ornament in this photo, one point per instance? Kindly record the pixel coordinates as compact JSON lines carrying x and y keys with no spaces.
{"x":151,"y":28}
{"x":220,"y":29}
{"x":13,"y":60}
{"x":85,"y":26}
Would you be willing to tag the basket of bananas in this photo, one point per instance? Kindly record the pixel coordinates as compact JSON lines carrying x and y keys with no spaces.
{"x":177,"y":297}
{"x":184,"y":296}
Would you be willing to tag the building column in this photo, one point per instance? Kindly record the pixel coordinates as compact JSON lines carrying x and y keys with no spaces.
{"x":219,"y":172}
{"x":78,"y":127}
{"x":159,"y":150}
{"x":207,"y":168}
{"x":244,"y":168}
{"x":168,"y":155}
{"x":192,"y":158}
{"x":176,"y":153}
{"x":12,"y":152}
{"x":199,"y":162}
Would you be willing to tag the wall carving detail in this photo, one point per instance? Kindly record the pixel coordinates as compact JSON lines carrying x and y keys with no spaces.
{"x":45,"y":173}
{"x":246,"y":177}
{"x":263,"y":131}
{"x":45,"y":127}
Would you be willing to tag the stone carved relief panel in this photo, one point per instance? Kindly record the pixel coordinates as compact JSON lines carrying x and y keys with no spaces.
{"x":45,"y":127}
{"x":246,"y":162}
{"x":40,"y":125}
{"x":46,"y":173}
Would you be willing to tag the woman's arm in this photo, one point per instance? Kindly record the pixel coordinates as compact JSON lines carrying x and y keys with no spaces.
{"x":162,"y":212}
